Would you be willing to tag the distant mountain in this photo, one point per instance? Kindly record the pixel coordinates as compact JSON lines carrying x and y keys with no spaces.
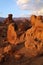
{"x":15,"y":19}
{"x":1,"y":19}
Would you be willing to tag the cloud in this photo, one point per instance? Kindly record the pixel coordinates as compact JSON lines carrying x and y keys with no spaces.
{"x":37,"y":0}
{"x":35,"y":6}
{"x":23,"y":4}
{"x":40,"y":12}
{"x":20,"y":2}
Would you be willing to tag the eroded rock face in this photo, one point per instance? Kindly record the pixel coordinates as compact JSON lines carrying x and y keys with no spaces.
{"x":8,"y":19}
{"x":34,"y":37}
{"x":39,"y":17}
{"x":13,"y":37}
{"x":7,"y":49}
{"x":33,"y":19}
{"x":11,"y":34}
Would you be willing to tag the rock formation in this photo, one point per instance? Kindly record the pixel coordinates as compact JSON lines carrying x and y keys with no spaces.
{"x":11,"y":34}
{"x":34,"y":36}
{"x":21,"y":40}
{"x":33,"y":19}
{"x":9,"y":19}
{"x":15,"y":33}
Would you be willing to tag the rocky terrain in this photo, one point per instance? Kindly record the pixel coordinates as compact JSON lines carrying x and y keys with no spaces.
{"x":21,"y":41}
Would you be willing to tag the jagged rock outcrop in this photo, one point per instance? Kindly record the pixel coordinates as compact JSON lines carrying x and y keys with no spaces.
{"x":15,"y":33}
{"x":4,"y":27}
{"x":31,"y":35}
{"x":13,"y":37}
{"x":39,"y":17}
{"x":9,"y":19}
{"x":11,"y":34}
{"x":34,"y":36}
{"x":33,"y":19}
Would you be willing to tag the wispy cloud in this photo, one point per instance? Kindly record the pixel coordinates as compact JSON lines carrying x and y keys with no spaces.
{"x":40,"y":12}
{"x":35,"y":5}
{"x":22,"y":2}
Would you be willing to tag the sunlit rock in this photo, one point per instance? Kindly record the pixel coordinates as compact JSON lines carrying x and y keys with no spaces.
{"x":7,"y":49}
{"x":11,"y":34}
{"x":33,"y":45}
{"x":33,"y":19}
{"x":34,"y":36}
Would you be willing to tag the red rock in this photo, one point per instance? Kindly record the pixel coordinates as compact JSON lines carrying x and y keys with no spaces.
{"x":11,"y":34}
{"x":7,"y":49}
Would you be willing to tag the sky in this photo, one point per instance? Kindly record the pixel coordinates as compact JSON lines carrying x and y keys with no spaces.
{"x":21,"y":8}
